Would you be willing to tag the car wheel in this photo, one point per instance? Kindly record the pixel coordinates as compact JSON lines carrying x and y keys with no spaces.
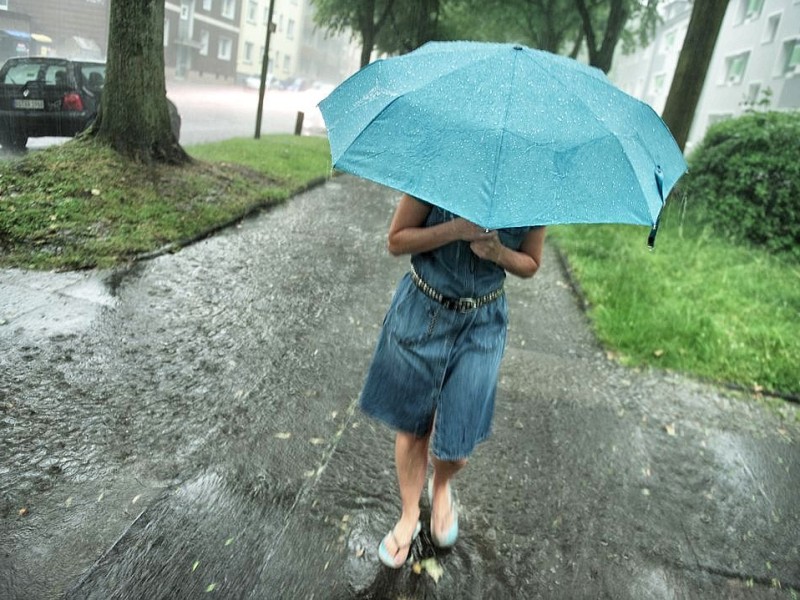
{"x":13,"y":141}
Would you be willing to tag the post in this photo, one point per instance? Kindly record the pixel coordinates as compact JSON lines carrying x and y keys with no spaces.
{"x":264,"y":66}
{"x":298,"y":124}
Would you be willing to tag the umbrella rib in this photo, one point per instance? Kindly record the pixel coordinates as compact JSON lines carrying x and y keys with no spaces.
{"x":502,"y":134}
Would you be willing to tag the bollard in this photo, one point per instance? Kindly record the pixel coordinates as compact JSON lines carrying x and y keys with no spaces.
{"x":298,"y":124}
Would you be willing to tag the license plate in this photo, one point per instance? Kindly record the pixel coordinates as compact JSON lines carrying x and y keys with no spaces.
{"x":29,"y":104}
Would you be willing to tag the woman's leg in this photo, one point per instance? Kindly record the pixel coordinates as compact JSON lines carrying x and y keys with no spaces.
{"x":441,"y":507}
{"x":411,"y":462}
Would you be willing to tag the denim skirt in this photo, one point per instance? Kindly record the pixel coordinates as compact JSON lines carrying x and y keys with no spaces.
{"x":435,"y":370}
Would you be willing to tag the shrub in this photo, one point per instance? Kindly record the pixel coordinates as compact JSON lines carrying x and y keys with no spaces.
{"x":744,"y":179}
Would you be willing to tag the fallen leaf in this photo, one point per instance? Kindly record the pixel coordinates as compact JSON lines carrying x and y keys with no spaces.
{"x":136,"y":499}
{"x":359,"y":553}
{"x":432,"y":568}
{"x":658,"y":353}
{"x":101,"y":496}
{"x":308,"y":474}
{"x":23,"y":512}
{"x":211,"y":587}
{"x":417,"y":568}
{"x":95,"y":192}
{"x":316,"y":441}
{"x":670,"y":429}
{"x":68,"y":502}
{"x":195,"y":565}
{"x":283,"y":435}
{"x":229,"y":541}
{"x":645,"y":492}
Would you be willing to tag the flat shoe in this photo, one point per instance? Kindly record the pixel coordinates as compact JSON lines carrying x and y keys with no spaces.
{"x":450,"y":537}
{"x":385,"y":556}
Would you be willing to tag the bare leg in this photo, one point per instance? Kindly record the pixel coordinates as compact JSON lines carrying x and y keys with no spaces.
{"x":411,"y":461}
{"x":441,"y":509}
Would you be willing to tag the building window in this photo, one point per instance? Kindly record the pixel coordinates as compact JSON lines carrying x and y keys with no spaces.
{"x":290,"y":29}
{"x":204,"y":42}
{"x":791,"y":58}
{"x":749,"y":10}
{"x":224,"y":48}
{"x":252,"y":11}
{"x":266,"y":15}
{"x":166,"y":33}
{"x":184,"y":12}
{"x":658,"y":83}
{"x":772,"y":28}
{"x":287,"y":62}
{"x":752,"y":94}
{"x":669,"y":40}
{"x":735,"y":67}
{"x":229,"y":9}
{"x":280,"y":22}
{"x":248,"y":53}
{"x":3,"y":4}
{"x":208,"y":5}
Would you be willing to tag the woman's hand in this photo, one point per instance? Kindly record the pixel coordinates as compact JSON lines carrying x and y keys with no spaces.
{"x":467,"y":231}
{"x":487,"y":246}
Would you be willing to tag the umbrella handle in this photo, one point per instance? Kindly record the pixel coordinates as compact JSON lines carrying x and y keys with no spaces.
{"x":651,"y":239}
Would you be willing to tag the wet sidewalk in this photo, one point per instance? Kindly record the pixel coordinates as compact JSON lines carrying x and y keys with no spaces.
{"x":188,"y":428}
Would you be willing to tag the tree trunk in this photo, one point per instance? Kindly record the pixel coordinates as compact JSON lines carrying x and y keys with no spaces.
{"x":690,"y":73}
{"x":602,"y":56}
{"x":134,"y":116}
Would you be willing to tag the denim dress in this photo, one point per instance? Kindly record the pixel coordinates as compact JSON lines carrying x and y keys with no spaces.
{"x":434,"y":368}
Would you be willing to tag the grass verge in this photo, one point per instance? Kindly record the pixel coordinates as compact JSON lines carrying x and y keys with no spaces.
{"x":698,"y":304}
{"x":81,"y":205}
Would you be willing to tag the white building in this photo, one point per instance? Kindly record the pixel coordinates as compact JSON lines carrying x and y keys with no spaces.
{"x":294,"y":47}
{"x":756,"y":58}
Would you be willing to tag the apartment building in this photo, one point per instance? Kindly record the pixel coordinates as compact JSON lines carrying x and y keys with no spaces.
{"x":201,"y":37}
{"x":298,"y":50}
{"x":756,"y":59}
{"x":71,"y":28}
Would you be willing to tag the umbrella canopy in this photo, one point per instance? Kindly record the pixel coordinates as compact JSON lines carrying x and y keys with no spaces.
{"x":504,"y":136}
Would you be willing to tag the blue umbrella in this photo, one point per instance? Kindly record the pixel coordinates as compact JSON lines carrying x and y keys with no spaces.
{"x":504,"y":136}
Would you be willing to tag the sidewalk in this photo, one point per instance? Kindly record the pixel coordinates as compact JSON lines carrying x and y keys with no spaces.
{"x":190,"y":428}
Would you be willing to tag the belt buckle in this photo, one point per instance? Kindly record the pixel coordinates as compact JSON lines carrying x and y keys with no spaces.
{"x":467,"y":304}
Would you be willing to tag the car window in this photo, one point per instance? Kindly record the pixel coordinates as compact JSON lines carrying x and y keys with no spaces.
{"x":22,"y":73}
{"x":56,"y":75}
{"x":94,"y":76}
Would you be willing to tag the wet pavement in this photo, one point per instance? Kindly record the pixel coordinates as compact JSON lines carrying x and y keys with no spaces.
{"x":189,"y":427}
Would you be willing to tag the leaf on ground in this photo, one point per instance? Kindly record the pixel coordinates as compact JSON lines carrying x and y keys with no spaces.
{"x":658,"y":353}
{"x":195,"y":564}
{"x":211,"y":587}
{"x":670,"y":429}
{"x":101,"y":496}
{"x":229,"y":541}
{"x":68,"y":502}
{"x":23,"y":512}
{"x":359,"y":552}
{"x":285,"y":435}
{"x":432,"y":568}
{"x":316,"y":441}
{"x":136,"y":499}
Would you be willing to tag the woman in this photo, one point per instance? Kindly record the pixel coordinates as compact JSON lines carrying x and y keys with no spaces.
{"x":434,"y":373}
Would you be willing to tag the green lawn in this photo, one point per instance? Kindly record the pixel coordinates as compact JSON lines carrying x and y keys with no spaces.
{"x":697,"y":303}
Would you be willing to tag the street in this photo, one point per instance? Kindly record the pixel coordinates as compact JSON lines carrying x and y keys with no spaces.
{"x":213,"y":112}
{"x":189,"y":428}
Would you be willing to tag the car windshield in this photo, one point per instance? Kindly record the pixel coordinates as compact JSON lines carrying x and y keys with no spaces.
{"x":49,"y":73}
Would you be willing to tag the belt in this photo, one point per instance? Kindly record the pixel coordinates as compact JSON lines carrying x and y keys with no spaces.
{"x":459,"y":304}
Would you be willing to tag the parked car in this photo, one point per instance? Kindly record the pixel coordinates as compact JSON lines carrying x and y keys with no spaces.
{"x":47,"y":96}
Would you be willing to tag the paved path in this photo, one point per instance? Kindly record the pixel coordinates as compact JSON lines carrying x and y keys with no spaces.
{"x":190,"y":426}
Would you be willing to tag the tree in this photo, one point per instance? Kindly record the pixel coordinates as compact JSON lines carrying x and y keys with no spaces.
{"x":410,"y":25}
{"x":134,"y":116}
{"x":604,"y":24}
{"x":690,"y":73}
{"x":365,"y":17}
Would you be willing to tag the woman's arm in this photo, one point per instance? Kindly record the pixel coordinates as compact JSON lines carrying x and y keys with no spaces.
{"x":407,"y":234}
{"x":523,"y":262}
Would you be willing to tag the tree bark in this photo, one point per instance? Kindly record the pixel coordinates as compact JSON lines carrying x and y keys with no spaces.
{"x":690,"y":73}
{"x":134,"y":116}
{"x":602,"y":56}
